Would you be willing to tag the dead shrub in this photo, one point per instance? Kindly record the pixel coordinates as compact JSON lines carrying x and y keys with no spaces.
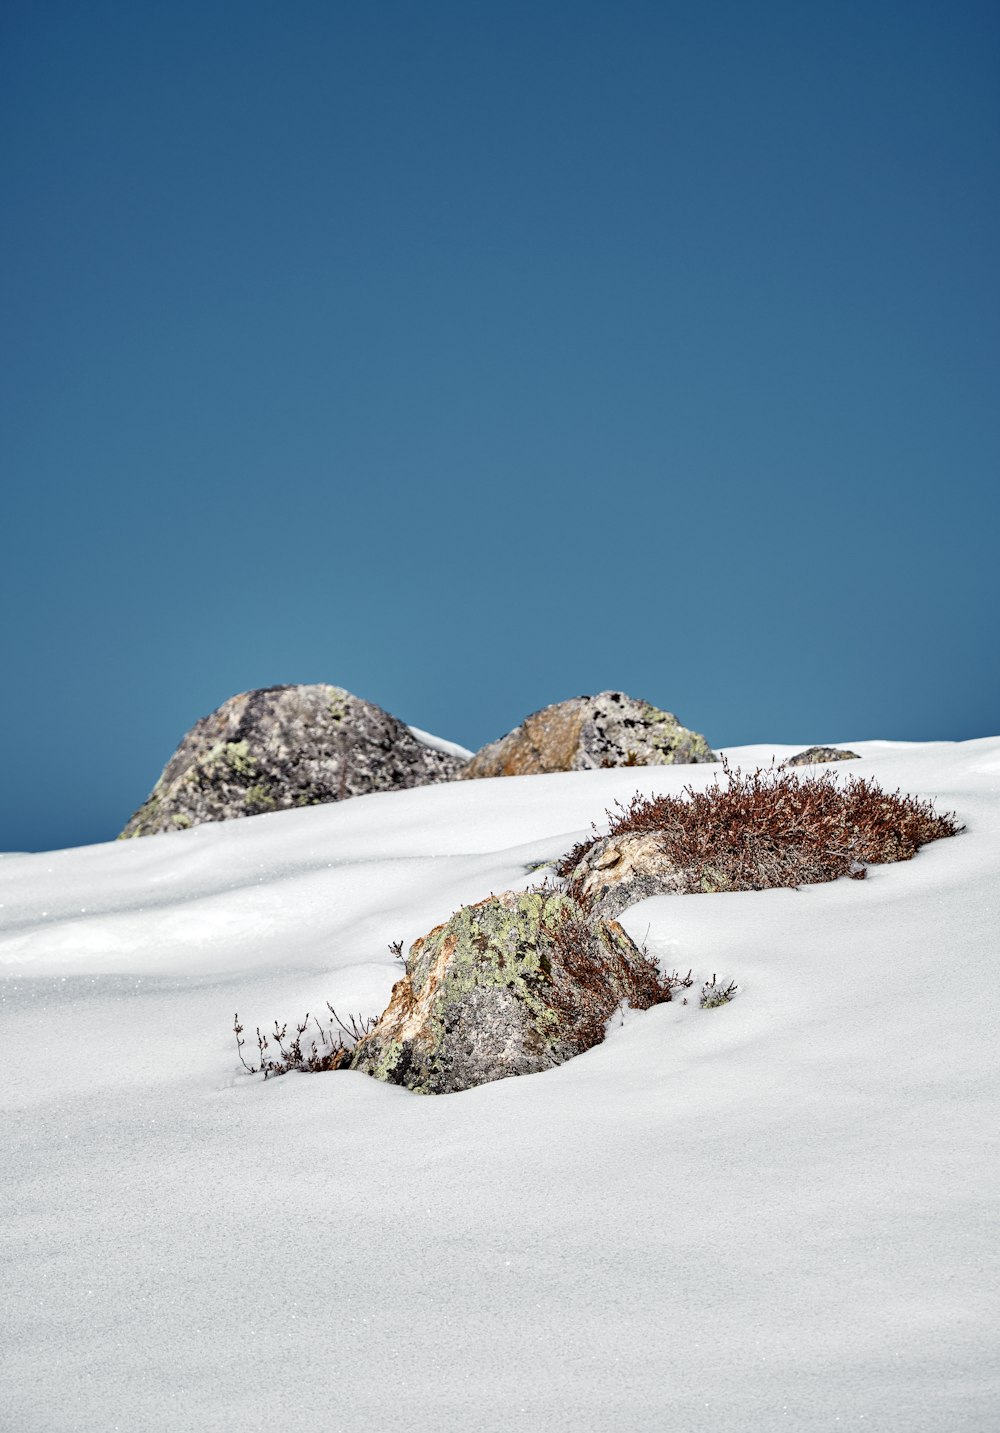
{"x":587,"y":972}
{"x":775,"y":828}
{"x":715,"y":993}
{"x":330,"y":1054}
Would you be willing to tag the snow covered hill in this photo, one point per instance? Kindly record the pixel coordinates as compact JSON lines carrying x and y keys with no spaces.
{"x":780,"y":1213}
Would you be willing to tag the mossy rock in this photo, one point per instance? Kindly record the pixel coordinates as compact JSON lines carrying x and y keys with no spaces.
{"x":511,"y":986}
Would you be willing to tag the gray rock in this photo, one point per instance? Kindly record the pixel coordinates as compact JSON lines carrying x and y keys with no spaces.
{"x":816,"y":755}
{"x":281,"y":747}
{"x":511,"y":986}
{"x":610,"y":729}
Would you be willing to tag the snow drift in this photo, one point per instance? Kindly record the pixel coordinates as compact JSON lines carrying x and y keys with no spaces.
{"x":776,"y":1213}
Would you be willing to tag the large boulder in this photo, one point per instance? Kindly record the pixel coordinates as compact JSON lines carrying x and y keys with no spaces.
{"x":610,"y":729}
{"x":511,"y":986}
{"x":280,"y":747}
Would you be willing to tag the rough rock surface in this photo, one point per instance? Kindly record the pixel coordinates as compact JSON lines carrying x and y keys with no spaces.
{"x":279,"y":747}
{"x":815,"y":755}
{"x":618,"y":871}
{"x":511,"y":986}
{"x":610,"y":729}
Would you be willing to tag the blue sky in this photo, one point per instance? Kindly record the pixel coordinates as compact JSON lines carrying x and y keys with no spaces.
{"x":473,"y":356}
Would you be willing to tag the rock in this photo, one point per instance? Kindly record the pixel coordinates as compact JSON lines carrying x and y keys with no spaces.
{"x":281,"y":747}
{"x":511,"y":986}
{"x":815,"y":755}
{"x":610,"y":729}
{"x":617,"y":871}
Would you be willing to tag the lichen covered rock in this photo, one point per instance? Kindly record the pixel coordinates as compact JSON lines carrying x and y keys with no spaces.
{"x":816,"y":755}
{"x":610,"y":729}
{"x":511,"y":986}
{"x":281,"y":747}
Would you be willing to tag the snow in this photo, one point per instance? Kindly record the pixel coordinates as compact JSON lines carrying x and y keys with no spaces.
{"x":778,"y":1213}
{"x":438,"y":743}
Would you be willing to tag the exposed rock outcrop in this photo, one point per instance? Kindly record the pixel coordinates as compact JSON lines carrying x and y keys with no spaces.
{"x":816,"y":755}
{"x":511,"y":986}
{"x":281,"y":747}
{"x":610,"y":729}
{"x":617,"y":871}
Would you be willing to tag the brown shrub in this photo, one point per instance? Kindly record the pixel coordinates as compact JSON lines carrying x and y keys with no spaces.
{"x":330,"y":1054}
{"x":776,"y":828}
{"x":589,"y":973}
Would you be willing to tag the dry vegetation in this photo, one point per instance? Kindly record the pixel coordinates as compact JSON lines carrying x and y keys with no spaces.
{"x":330,"y":1054}
{"x":770,"y":828}
{"x":587,"y":973}
{"x":775,"y":828}
{"x":717,"y":992}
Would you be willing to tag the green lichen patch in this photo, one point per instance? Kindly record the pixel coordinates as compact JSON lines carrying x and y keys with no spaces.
{"x":238,"y":758}
{"x":498,"y":942}
{"x":665,"y":735}
{"x":147,"y":819}
{"x":259,"y":798}
{"x":339,"y":703}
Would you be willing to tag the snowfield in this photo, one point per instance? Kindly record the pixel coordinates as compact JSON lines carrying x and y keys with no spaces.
{"x":778,"y":1214}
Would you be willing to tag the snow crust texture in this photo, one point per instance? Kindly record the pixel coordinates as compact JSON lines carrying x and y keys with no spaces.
{"x":779,"y":1213}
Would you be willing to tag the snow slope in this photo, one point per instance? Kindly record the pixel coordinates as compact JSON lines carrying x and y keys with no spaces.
{"x":781,"y":1213}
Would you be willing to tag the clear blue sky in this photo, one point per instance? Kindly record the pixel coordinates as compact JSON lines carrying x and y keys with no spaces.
{"x":472,"y":356}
